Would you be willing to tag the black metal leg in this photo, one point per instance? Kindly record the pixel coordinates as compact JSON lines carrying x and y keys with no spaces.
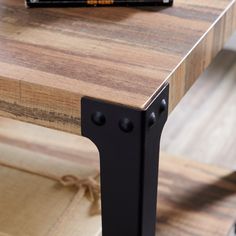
{"x":128,"y":142}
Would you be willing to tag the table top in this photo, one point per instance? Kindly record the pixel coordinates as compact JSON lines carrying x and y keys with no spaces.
{"x":51,"y":58}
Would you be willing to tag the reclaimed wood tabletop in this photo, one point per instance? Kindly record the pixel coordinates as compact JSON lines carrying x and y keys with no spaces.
{"x":51,"y":58}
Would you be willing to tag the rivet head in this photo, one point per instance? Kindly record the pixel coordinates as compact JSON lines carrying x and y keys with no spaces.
{"x":126,"y":125}
{"x":152,"y":119}
{"x":98,"y":118}
{"x":163,"y":105}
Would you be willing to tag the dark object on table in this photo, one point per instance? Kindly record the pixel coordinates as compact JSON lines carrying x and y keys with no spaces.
{"x":70,"y":3}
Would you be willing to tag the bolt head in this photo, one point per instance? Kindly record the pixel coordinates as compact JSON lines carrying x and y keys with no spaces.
{"x":126,"y":125}
{"x":163,"y":105}
{"x":98,"y":118}
{"x":152,"y":119}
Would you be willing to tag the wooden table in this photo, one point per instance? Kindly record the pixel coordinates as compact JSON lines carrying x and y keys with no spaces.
{"x":112,"y":75}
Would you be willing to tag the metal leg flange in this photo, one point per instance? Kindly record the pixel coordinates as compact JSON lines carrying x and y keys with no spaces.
{"x":128,"y":141}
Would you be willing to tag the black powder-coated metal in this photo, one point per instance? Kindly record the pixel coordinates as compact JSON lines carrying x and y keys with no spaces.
{"x":128,"y":142}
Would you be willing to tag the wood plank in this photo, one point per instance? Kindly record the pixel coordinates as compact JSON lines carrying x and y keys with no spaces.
{"x":50,"y":58}
{"x":193,"y":199}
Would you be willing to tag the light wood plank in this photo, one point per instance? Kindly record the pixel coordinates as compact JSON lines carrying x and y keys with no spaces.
{"x":195,"y":199}
{"x":51,"y":58}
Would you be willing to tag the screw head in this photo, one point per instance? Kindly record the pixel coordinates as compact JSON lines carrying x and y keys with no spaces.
{"x":98,"y":118}
{"x":163,"y":105}
{"x":152,"y":119}
{"x":126,"y":125}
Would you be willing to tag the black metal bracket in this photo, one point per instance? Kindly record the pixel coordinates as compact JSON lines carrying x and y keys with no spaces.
{"x":128,"y":141}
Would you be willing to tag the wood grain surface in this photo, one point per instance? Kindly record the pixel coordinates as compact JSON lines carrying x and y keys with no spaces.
{"x":193,"y":199}
{"x":50,"y":58}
